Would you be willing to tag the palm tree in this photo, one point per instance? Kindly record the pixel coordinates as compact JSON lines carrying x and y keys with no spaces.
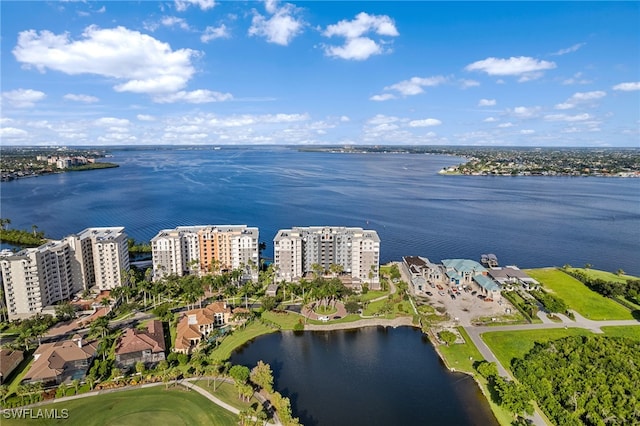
{"x":106,"y":303}
{"x":4,"y":223}
{"x":34,"y":228}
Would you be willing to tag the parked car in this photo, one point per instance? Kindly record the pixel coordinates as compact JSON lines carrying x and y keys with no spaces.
{"x":325,"y":318}
{"x":453,"y":297}
{"x":429,"y":293}
{"x":481,"y":296}
{"x":440,"y":287}
{"x":473,"y":293}
{"x":441,"y":293}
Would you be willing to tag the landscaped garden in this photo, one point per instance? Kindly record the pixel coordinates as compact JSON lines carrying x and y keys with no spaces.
{"x":578,"y":296}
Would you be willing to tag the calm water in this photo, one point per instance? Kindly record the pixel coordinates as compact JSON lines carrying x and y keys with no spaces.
{"x":528,"y":221}
{"x":372,"y":376}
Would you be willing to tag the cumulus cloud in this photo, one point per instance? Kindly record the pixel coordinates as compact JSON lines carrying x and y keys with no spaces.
{"x":23,"y":98}
{"x":525,"y":112}
{"x":526,"y":67}
{"x":505,"y":125}
{"x":112,"y":121}
{"x":410,"y":87}
{"x":565,"y":117}
{"x":490,"y":120}
{"x":283,"y":25}
{"x":527,"y":131}
{"x":581,"y":98}
{"x":568,"y":49}
{"x":145,"y":117}
{"x":382,"y":97}
{"x":193,"y":97}
{"x":628,"y":87}
{"x":359,"y":44}
{"x":465,"y":84}
{"x":182,"y":5}
{"x":12,"y":132}
{"x":144,"y":64}
{"x":486,"y":102}
{"x":174,"y":21}
{"x":87,"y":99}
{"x":427,"y":122}
{"x":213,"y":33}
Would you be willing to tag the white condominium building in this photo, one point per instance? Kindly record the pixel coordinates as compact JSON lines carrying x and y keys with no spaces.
{"x":355,"y":250}
{"x":38,"y":277}
{"x":206,"y":249}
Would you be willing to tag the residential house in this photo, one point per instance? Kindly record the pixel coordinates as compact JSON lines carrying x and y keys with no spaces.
{"x":197,"y":324}
{"x":9,"y":360}
{"x":464,"y":273}
{"x":422,"y":271}
{"x":147,"y":346}
{"x":61,"y":362}
{"x":508,"y":276}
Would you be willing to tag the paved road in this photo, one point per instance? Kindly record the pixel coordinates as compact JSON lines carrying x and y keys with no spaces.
{"x":580,"y":322}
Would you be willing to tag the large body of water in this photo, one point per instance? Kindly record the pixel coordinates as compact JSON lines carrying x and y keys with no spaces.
{"x":528,"y":221}
{"x":369,"y":376}
{"x":372,"y":376}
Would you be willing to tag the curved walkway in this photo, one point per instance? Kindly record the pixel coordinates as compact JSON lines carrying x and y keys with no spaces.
{"x":369,"y":322}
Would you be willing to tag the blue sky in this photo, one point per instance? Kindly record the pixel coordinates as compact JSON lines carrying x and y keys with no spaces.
{"x":312,"y":72}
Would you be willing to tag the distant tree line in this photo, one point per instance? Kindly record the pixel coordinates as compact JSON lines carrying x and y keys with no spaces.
{"x":20,"y":237}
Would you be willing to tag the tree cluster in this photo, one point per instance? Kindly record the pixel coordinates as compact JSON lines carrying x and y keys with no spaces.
{"x":550,"y":302}
{"x":590,"y":380}
{"x":629,"y":290}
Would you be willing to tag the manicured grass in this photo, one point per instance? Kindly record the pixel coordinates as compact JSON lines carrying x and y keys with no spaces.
{"x":507,"y":345}
{"x":578,"y":296}
{"x":461,"y":356}
{"x":239,"y":338}
{"x":632,"y":331}
{"x":138,"y":407}
{"x":227,"y":393}
{"x":348,"y":318}
{"x":325,"y":310}
{"x":373,"y":294}
{"x":286,"y":320}
{"x":604,"y":275}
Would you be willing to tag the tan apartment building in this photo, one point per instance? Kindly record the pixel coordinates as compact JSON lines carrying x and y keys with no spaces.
{"x":35,"y":278}
{"x":355,"y":250}
{"x":206,"y":249}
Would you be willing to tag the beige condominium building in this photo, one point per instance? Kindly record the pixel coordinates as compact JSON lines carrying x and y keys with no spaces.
{"x":355,"y":250}
{"x":206,"y":249}
{"x":38,"y":277}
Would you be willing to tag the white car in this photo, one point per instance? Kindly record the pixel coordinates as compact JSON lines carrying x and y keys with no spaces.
{"x":325,"y":318}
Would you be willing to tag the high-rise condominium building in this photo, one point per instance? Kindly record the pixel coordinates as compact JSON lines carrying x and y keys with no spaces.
{"x":355,"y":251}
{"x":206,"y":249}
{"x":38,"y":277}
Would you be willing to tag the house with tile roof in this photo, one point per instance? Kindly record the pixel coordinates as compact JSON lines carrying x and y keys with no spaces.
{"x":9,"y":360}
{"x":135,"y":345}
{"x":197,"y":324}
{"x":61,"y":362}
{"x":465,"y":272}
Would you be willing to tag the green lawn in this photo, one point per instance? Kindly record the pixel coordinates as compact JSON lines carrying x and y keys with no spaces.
{"x":227,"y":393}
{"x":632,"y":331}
{"x":373,"y":294}
{"x":374,"y":307}
{"x":138,"y":407}
{"x":507,"y":345}
{"x":239,"y":338}
{"x":348,"y":318}
{"x":604,"y":275}
{"x":578,"y":296}
{"x":286,"y":320}
{"x":461,"y":356}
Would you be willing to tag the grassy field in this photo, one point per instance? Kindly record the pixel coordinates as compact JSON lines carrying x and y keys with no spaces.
{"x":373,"y":294}
{"x":239,"y":338}
{"x":227,"y":392}
{"x":604,"y":275}
{"x":461,"y":356}
{"x":285,"y":320}
{"x":374,"y":307}
{"x":632,"y":332}
{"x":138,"y":407}
{"x":507,"y":345}
{"x":578,"y":296}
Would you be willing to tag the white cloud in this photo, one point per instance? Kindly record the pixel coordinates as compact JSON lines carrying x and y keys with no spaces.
{"x":382,"y":97}
{"x":581,"y":98}
{"x":145,"y":64}
{"x":112,"y":121}
{"x":527,"y":131}
{"x":576,"y":79}
{"x":490,"y":120}
{"x":80,"y":98}
{"x":525,"y":67}
{"x":525,"y":112}
{"x":357,"y":46}
{"x":145,"y":117}
{"x":505,"y":125}
{"x":174,"y":21}
{"x":23,"y":98}
{"x":486,"y":102}
{"x":182,"y":5}
{"x":12,"y":132}
{"x":381,"y":119}
{"x":344,"y":119}
{"x":465,"y":84}
{"x":416,"y":85}
{"x":427,"y":122}
{"x":199,"y":96}
{"x":569,"y":49}
{"x":628,"y":87}
{"x":282,"y":27}
{"x":565,"y":117}
{"x":213,"y":33}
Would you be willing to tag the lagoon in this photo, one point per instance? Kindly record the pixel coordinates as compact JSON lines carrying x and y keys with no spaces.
{"x":371,"y":376}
